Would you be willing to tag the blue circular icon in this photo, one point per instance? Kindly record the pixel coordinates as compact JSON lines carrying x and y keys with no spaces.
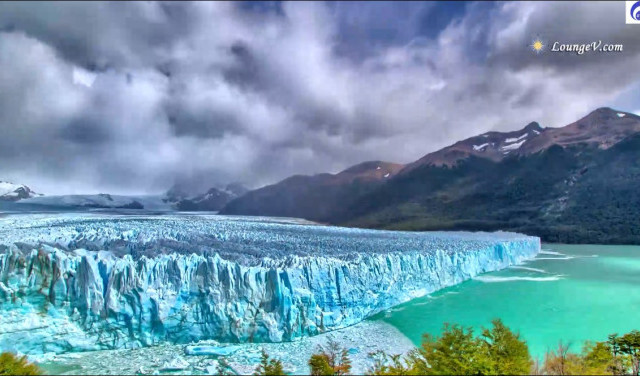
{"x":635,"y":12}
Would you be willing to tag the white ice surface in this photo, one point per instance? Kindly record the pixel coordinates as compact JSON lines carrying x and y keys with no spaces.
{"x":74,"y":282}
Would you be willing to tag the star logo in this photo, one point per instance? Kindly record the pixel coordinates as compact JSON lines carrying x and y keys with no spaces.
{"x":537,"y":45}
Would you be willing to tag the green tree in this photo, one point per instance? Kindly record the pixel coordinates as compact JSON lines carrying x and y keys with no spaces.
{"x":224,"y":369}
{"x":10,"y":364}
{"x":455,"y":352}
{"x":319,"y":365}
{"x":630,"y":346}
{"x":269,"y":366}
{"x":508,"y":354}
{"x":330,"y":360}
{"x":500,"y":351}
{"x":616,"y":368}
{"x":597,"y":359}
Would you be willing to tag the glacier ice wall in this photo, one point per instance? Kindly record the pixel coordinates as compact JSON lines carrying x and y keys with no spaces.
{"x":86,"y":282}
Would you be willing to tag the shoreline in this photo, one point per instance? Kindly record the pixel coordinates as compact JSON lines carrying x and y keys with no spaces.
{"x":360,"y":339}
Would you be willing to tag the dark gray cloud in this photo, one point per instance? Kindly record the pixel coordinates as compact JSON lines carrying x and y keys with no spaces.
{"x":130,"y":97}
{"x":100,"y":35}
{"x":85,"y":131}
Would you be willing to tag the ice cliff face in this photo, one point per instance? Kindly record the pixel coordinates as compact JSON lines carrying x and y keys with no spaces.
{"x":72,"y":282}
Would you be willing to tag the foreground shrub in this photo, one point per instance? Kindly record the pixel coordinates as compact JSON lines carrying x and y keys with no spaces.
{"x":330,"y":360}
{"x":620,"y":355}
{"x":11,"y":364}
{"x":456,"y":351}
{"x":269,"y":366}
{"x":507,"y":353}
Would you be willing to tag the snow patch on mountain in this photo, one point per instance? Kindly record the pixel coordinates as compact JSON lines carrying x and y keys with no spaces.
{"x":513,"y":146}
{"x":510,"y":140}
{"x":14,"y":192}
{"x":480,"y":147}
{"x":7,"y":188}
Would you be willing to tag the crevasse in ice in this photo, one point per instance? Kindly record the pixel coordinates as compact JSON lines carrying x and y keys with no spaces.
{"x":73,"y":282}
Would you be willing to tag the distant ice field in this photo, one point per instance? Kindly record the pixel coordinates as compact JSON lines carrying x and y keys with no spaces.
{"x":243,"y":239}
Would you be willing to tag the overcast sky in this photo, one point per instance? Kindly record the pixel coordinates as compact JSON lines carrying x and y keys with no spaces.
{"x":130,"y":97}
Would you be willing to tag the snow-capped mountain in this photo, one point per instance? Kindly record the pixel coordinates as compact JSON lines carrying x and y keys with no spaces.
{"x":212,"y":200}
{"x":576,"y":183}
{"x":603,"y":128}
{"x":490,"y":145}
{"x":100,"y":201}
{"x":15,"y":192}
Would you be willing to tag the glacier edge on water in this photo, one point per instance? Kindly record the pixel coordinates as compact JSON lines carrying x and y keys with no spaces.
{"x":88,"y":282}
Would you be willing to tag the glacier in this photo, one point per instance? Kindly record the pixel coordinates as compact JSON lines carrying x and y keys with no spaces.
{"x":86,"y":281}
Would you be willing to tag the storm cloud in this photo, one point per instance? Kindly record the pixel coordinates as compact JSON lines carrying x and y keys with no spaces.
{"x":132,"y":97}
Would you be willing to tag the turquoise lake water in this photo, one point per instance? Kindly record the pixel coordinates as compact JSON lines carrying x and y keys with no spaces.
{"x":569,"y":292}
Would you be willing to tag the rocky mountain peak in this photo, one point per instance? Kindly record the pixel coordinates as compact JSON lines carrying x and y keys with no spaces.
{"x":533,"y":126}
{"x":211,"y":200}
{"x":15,"y":192}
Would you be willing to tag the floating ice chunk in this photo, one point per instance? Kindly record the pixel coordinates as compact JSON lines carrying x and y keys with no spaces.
{"x":549,"y":252}
{"x":173,"y":365}
{"x":528,"y":269}
{"x":386,"y":175}
{"x":211,"y":350}
{"x":493,"y":279}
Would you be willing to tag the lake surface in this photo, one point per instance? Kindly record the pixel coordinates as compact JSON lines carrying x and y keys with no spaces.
{"x":569,"y":292}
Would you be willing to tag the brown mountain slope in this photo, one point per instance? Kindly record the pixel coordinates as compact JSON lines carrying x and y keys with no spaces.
{"x":316,"y":197}
{"x":574,"y":183}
